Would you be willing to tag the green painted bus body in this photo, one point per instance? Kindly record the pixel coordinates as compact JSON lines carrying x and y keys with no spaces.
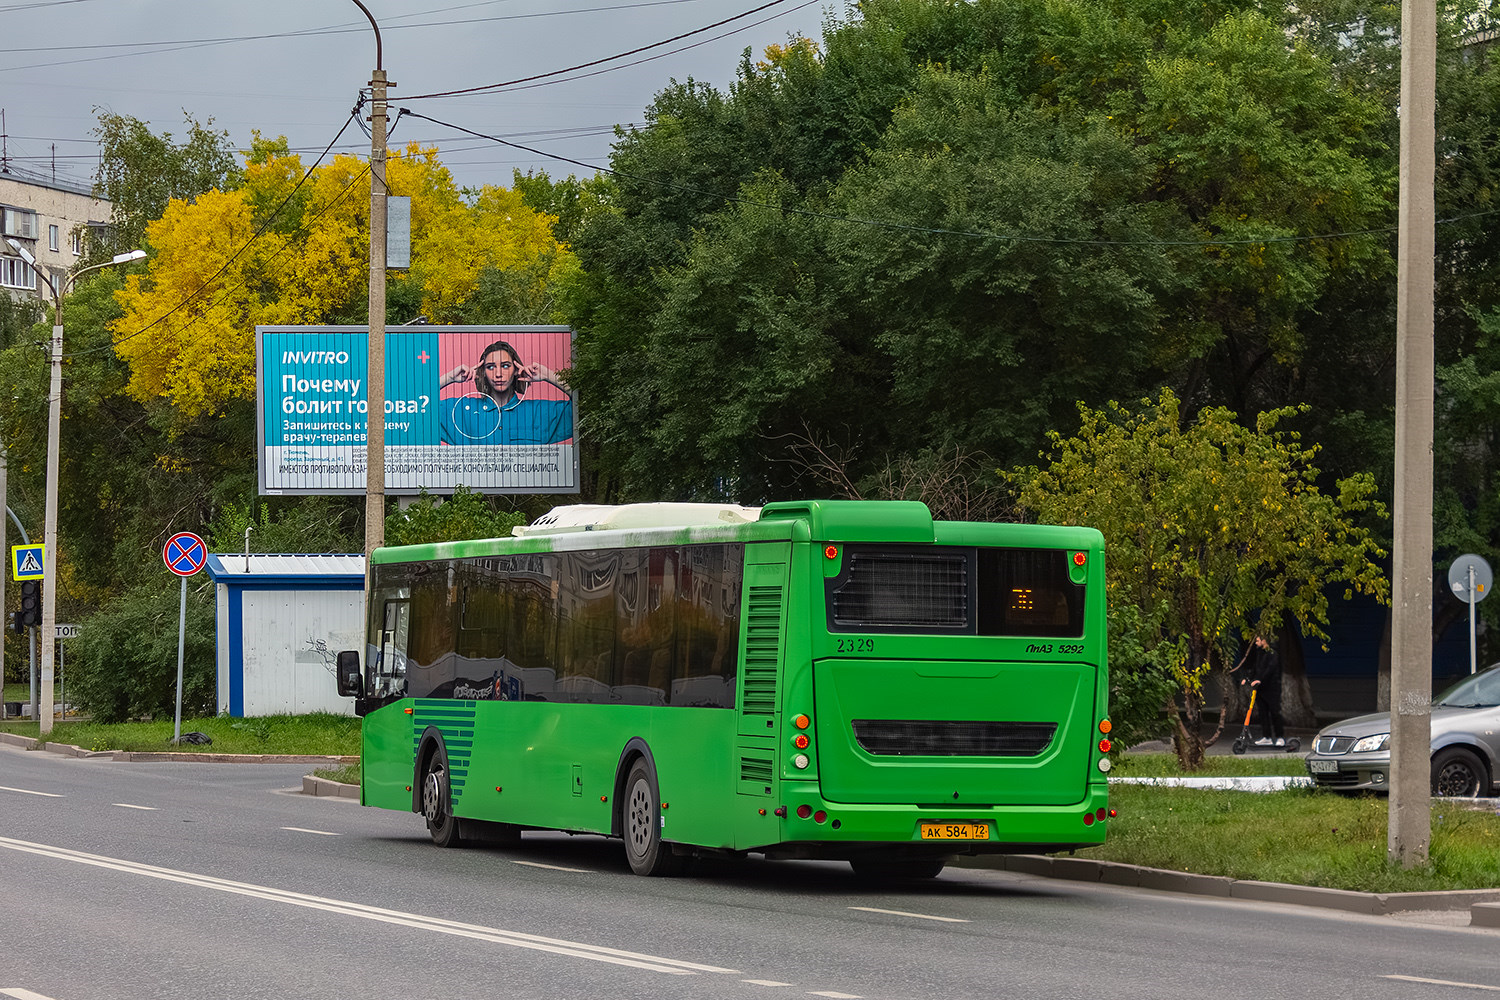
{"x":724,"y":774}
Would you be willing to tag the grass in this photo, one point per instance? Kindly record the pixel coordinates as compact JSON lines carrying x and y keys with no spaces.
{"x":317,"y":734}
{"x":349,"y":774}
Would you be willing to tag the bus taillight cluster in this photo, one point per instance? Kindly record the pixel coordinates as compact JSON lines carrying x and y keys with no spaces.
{"x":801,"y":741}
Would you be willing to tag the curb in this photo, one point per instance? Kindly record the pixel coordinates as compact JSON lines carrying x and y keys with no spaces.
{"x":1483,"y":904}
{"x":313,"y":785}
{"x":150,"y":756}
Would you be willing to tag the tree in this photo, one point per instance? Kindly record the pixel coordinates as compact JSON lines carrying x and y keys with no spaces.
{"x":1215,"y":532}
{"x":140,"y":172}
{"x":463,"y":516}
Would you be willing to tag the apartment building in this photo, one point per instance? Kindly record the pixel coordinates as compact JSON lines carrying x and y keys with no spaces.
{"x":51,"y":219}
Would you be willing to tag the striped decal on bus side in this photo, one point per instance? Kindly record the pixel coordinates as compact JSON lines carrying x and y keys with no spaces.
{"x":455,"y":720}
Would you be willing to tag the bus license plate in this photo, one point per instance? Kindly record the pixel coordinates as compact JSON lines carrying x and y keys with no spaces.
{"x":955,"y":831}
{"x":1323,"y":766}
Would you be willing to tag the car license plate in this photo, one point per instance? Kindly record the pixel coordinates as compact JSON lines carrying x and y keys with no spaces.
{"x":955,"y":831}
{"x":1323,"y":766}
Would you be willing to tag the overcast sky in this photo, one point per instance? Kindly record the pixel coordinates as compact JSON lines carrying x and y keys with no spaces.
{"x":295,"y":68}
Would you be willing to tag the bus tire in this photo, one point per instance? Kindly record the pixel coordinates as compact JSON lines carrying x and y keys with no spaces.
{"x":437,"y":801}
{"x":647,"y":853}
{"x":883,"y":869}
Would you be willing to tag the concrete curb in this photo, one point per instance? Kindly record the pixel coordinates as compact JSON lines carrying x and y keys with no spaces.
{"x":195,"y":757}
{"x":1483,"y":904}
{"x":313,"y":785}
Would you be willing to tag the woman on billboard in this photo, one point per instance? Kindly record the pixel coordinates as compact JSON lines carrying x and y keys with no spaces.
{"x":495,"y":410}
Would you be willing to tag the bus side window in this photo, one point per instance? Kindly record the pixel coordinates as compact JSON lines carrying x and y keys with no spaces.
{"x":388,"y":665}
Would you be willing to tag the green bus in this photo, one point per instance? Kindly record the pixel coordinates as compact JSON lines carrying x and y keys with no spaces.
{"x":820,"y":679}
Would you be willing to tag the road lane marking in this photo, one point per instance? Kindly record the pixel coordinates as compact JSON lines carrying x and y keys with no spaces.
{"x":496,"y":935}
{"x":20,"y":994}
{"x":835,"y":996}
{"x":27,"y":791}
{"x":903,"y":913}
{"x":555,"y":868}
{"x":127,"y":805}
{"x":303,"y":829}
{"x":1443,"y":982}
{"x":764,"y":982}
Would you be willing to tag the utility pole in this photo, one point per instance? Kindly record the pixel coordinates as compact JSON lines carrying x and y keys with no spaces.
{"x":1409,"y":821}
{"x":375,"y":372}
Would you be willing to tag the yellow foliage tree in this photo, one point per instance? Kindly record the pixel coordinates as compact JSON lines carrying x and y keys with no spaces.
{"x":268,"y":253}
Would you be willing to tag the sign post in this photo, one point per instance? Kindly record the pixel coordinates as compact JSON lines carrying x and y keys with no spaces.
{"x":185,"y":553}
{"x":1470,"y":579}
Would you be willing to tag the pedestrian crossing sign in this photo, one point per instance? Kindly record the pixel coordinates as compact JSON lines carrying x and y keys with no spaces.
{"x":26,"y":561}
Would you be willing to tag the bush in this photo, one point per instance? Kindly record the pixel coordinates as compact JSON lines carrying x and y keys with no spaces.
{"x":123,"y":664}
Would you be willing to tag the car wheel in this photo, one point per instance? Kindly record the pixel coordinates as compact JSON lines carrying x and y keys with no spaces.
{"x":1458,"y":773}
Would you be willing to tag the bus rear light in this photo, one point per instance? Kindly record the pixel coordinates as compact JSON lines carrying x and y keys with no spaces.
{"x":1079,"y":558}
{"x":1113,"y":814}
{"x":801,"y":722}
{"x":1101,"y":813}
{"x":1088,"y":819}
{"x":762,"y":812}
{"x":1104,"y":764}
{"x":804,"y":811}
{"x":801,"y":761}
{"x":781,"y":811}
{"x":820,"y":816}
{"x":1105,"y":726}
{"x":1104,"y":746}
{"x":802,"y":741}
{"x":831,"y":551}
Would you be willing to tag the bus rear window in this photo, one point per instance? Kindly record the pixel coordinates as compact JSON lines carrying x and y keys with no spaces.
{"x":954,"y":590}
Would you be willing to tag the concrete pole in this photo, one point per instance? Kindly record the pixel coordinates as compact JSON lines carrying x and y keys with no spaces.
{"x":375,"y":372}
{"x":4,"y":553}
{"x":1409,"y":823}
{"x":49,"y":528}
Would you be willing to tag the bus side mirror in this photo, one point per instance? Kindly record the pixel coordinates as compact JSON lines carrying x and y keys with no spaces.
{"x":351,"y":680}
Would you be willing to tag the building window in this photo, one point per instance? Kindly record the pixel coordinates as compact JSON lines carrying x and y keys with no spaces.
{"x":16,"y":273}
{"x":52,"y":239}
{"x":76,"y":238}
{"x":20,"y":223}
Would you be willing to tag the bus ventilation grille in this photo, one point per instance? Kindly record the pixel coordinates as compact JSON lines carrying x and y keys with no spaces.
{"x":762,"y":649}
{"x":904,"y":589}
{"x":756,"y":770}
{"x":895,"y":738}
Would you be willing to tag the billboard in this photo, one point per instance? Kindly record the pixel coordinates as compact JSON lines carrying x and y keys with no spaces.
{"x":483,"y":407}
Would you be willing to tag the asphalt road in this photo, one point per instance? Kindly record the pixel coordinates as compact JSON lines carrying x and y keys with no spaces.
{"x":134,"y":881}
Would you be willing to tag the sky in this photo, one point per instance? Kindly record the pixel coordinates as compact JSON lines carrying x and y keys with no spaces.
{"x":295,"y":68}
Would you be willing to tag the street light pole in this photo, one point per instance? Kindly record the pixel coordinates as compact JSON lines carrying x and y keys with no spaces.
{"x":375,"y":371}
{"x":54,"y":433}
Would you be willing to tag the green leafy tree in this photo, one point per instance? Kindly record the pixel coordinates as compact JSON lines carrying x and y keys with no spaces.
{"x":1215,"y":533}
{"x":141,"y":171}
{"x":465,"y":515}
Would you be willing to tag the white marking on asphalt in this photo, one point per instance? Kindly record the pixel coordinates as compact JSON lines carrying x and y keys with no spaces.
{"x":496,"y":935}
{"x":1443,"y":982}
{"x":300,"y":829}
{"x":764,"y":982}
{"x":27,"y":791}
{"x":20,"y":994}
{"x":903,"y":913}
{"x":556,"y":868}
{"x":127,"y":805}
{"x":836,"y":996}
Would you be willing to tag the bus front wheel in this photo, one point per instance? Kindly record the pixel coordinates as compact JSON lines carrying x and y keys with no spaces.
{"x":647,"y":853}
{"x":437,"y":801}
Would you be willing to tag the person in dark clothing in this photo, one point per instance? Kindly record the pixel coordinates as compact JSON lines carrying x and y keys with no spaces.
{"x":1265,"y":678}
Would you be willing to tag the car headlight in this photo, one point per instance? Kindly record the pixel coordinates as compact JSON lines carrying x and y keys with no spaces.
{"x":1371,"y":743}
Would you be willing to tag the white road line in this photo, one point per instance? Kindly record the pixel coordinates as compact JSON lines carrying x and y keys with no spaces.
{"x":300,"y":829}
{"x":20,"y":994}
{"x":835,"y":996}
{"x":1444,"y":982}
{"x":127,"y":805}
{"x":764,"y":982}
{"x":27,"y":791}
{"x":556,"y":868}
{"x":903,"y":913}
{"x":496,"y":935}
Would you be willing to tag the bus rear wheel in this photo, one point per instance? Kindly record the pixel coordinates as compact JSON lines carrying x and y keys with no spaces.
{"x":647,"y":853}
{"x":437,"y":801}
{"x":882,"y":869}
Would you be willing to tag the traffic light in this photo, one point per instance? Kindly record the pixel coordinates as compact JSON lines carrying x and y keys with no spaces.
{"x":15,"y":623}
{"x":31,"y":602}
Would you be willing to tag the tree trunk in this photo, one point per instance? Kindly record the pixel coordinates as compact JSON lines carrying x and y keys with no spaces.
{"x":1188,"y":739}
{"x":1296,"y":694}
{"x":1383,"y":674}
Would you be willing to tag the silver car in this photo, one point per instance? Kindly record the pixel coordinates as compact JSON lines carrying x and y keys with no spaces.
{"x":1355,"y":755}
